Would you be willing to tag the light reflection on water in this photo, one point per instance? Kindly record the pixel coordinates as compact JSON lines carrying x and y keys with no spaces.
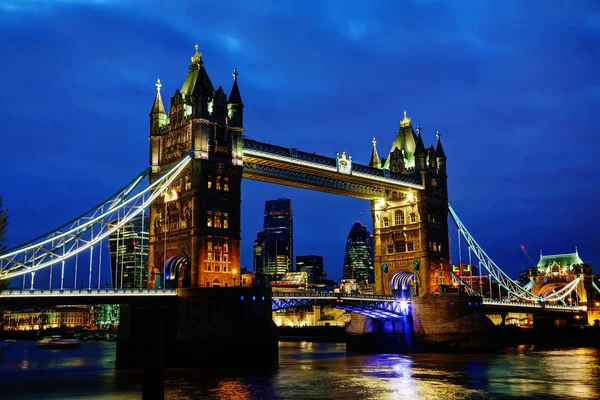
{"x":311,"y":371}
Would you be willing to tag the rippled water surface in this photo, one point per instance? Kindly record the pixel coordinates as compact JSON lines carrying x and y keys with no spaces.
{"x":311,"y":371}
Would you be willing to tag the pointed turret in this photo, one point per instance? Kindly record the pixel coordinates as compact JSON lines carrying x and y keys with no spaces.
{"x":439,"y":149}
{"x":197,"y":89}
{"x":375,"y":162}
{"x":158,"y":106}
{"x":420,"y":152}
{"x":405,"y":140}
{"x":158,"y":116}
{"x":235,"y":105}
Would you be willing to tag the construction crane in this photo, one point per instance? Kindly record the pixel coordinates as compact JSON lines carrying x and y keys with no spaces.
{"x":529,"y":258}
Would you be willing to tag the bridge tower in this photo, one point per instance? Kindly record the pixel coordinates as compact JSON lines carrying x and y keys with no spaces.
{"x":410,"y":227}
{"x":195,"y":224}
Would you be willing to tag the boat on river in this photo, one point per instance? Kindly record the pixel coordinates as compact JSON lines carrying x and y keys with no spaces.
{"x":57,"y":342}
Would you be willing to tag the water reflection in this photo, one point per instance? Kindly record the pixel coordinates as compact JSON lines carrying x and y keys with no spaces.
{"x":312,"y":371}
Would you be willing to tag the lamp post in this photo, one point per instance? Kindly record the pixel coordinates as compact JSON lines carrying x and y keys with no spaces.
{"x":234,"y":276}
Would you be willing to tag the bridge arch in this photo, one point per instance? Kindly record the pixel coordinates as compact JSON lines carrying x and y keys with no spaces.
{"x":405,"y":284}
{"x":176,"y":270}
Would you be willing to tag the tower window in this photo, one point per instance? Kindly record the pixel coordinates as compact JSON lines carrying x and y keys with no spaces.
{"x":218,"y":220}
{"x":226,"y":185}
{"x":413,"y":217}
{"x":400,"y":246}
{"x":226,"y":221}
{"x":390,"y":248}
{"x":209,"y":182}
{"x":410,"y":246}
{"x":399,"y":218}
{"x":386,"y":221}
{"x":209,"y":220}
{"x":218,"y":187}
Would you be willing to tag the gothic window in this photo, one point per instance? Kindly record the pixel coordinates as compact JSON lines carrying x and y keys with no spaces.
{"x":209,"y":181}
{"x":225,"y":248}
{"x":209,"y":220}
{"x":225,"y":258}
{"x":218,"y":185}
{"x":386,"y":221}
{"x":217,"y":268}
{"x":226,"y":221}
{"x":413,"y":217}
{"x":209,"y":245}
{"x":218,"y":220}
{"x":226,"y":185}
{"x":209,"y":257}
{"x":410,"y":246}
{"x":390,"y":248}
{"x":433,"y":182}
{"x":400,"y":246}
{"x":399,"y":218}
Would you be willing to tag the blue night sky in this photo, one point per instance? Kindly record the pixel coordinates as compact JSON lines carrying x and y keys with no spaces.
{"x":513,"y":87}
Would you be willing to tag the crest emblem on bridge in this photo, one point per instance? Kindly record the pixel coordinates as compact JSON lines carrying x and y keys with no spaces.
{"x":343,"y":163}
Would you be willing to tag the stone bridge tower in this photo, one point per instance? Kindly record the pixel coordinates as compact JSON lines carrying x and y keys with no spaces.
{"x":195,"y":225}
{"x":410,"y":227}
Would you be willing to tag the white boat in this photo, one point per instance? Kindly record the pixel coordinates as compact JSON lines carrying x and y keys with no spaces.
{"x":57,"y":342}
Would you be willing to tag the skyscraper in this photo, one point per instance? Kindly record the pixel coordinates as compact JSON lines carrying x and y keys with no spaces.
{"x":312,"y":265}
{"x":358,"y":259}
{"x":129,"y":254}
{"x":274,"y":245}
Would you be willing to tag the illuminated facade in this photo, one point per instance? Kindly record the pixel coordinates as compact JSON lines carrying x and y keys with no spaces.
{"x":274,"y":246}
{"x":312,"y":265}
{"x":129,"y":254}
{"x":358,"y":258}
{"x":410,"y":227}
{"x":34,"y":319}
{"x":195,"y":225}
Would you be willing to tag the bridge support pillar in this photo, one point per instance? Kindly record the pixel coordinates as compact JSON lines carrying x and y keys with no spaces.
{"x":372,"y":335}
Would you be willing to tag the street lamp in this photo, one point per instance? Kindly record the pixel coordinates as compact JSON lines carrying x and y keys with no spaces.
{"x":234,"y":276}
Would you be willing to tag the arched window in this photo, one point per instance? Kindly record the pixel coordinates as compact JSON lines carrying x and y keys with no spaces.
{"x":386,"y":221}
{"x":399,"y":218}
{"x":413,"y":217}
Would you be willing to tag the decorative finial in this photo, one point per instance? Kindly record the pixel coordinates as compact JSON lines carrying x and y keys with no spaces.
{"x":419,"y":129}
{"x":576,"y":251}
{"x":438,"y":134}
{"x":197,"y":57}
{"x":158,"y":85}
{"x":405,"y":121}
{"x":235,"y":74}
{"x":374,"y":142}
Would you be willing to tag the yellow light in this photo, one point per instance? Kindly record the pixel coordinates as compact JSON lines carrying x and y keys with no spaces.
{"x":411,"y":197}
{"x":381,"y":203}
{"x":234,"y":271}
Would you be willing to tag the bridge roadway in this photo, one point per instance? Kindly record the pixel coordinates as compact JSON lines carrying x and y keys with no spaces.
{"x":366,"y":304}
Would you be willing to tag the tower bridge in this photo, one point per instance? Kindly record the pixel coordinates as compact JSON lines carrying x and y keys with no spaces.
{"x":198,"y":158}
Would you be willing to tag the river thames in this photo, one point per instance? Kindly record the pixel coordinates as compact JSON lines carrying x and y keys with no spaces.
{"x":311,"y":371}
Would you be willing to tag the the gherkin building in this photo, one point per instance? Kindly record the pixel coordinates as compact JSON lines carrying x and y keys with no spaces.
{"x":358,"y":259}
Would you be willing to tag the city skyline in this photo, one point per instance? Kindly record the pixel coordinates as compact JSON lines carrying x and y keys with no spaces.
{"x":515,"y":126}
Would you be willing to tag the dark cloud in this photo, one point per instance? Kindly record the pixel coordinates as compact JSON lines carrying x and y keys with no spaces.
{"x":513,"y":87}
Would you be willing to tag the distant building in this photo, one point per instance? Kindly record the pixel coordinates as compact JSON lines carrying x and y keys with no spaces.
{"x":273,"y":248}
{"x":129,"y":254}
{"x":105,"y":315}
{"x":312,"y":265}
{"x":358,"y":258}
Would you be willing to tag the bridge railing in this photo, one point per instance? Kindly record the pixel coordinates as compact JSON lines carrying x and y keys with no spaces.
{"x":89,"y":292}
{"x":339,"y":295}
{"x":509,"y":303}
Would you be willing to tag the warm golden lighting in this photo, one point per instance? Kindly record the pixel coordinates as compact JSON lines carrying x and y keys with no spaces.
{"x":170,"y":197}
{"x":411,"y":197}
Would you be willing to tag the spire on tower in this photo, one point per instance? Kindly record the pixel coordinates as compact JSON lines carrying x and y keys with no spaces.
{"x":197,"y":57}
{"x":158,"y":106}
{"x":375,"y":161}
{"x":234,"y":95}
{"x":439,"y":149}
{"x":420,"y":147}
{"x":405,"y":121}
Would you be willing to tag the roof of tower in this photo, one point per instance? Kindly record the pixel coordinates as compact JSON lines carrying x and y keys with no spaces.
{"x":158,"y":106}
{"x":564,"y":260}
{"x":234,"y":96}
{"x":406,"y":140}
{"x":439,"y":149}
{"x":375,"y":162}
{"x":197,"y":80}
